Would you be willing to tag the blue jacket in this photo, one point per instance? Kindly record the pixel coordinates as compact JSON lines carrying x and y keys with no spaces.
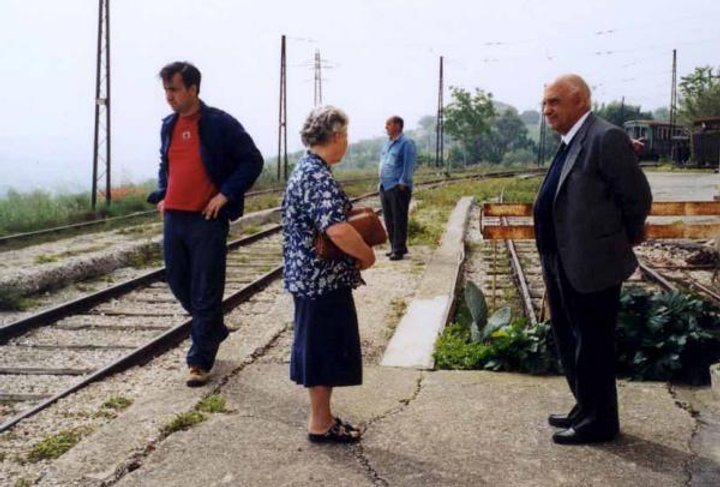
{"x":231,"y":160}
{"x":397,"y":162}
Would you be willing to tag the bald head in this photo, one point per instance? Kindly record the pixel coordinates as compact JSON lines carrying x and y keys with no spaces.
{"x":576,"y":85}
{"x":565,"y":101}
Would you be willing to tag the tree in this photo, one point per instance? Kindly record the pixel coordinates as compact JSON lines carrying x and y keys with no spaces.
{"x":530,"y":117}
{"x":699,"y":95}
{"x":468,"y":119}
{"x":661,"y":113}
{"x":507,"y":133}
{"x":618,"y":113}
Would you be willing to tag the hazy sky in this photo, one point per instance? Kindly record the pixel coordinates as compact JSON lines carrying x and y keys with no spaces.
{"x":383,"y":57}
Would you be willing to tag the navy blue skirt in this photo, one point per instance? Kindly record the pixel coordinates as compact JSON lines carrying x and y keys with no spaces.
{"x":326,"y":345}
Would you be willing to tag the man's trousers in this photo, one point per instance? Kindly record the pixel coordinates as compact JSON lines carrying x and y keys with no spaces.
{"x":395,"y":205}
{"x":195,"y":255}
{"x":583,"y":326}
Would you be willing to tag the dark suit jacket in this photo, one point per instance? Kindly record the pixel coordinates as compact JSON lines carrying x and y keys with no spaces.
{"x":600,"y":207}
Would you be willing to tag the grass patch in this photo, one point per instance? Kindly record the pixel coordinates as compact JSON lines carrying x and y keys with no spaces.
{"x":183,"y":421}
{"x":148,"y":256}
{"x":13,"y":300}
{"x":212,"y":404}
{"x":45,"y":259}
{"x":250,"y":230}
{"x":398,"y":307}
{"x":117,"y":403}
{"x":56,"y":445}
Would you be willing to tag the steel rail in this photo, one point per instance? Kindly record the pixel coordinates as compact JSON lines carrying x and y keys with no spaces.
{"x":146,"y":352}
{"x":691,"y":282}
{"x":522,"y":283}
{"x":55,"y":313}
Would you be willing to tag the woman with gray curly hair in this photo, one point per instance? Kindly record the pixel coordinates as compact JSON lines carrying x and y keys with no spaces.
{"x":326,"y":345}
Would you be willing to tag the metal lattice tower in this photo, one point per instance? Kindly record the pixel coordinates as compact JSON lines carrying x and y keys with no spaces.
{"x":318,"y":79}
{"x":282,"y":120}
{"x":101,"y":149}
{"x":440,"y":125}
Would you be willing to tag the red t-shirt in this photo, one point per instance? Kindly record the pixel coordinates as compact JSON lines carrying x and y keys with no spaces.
{"x":189,"y":187}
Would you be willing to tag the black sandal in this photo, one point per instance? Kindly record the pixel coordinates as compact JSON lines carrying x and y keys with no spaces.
{"x":339,"y":432}
{"x":347,"y":425}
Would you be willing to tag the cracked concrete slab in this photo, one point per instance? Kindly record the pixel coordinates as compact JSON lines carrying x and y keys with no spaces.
{"x":483,"y":428}
{"x":262,"y":440}
{"x":447,"y":428}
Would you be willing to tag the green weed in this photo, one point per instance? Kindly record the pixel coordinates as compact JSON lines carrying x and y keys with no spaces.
{"x":398,"y":307}
{"x":118,"y":403}
{"x":183,"y":421}
{"x":212,"y":404}
{"x":54,"y":446}
{"x":12,"y":299}
{"x":45,"y":259}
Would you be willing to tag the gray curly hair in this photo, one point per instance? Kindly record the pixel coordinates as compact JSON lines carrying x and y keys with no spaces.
{"x":321,"y":124}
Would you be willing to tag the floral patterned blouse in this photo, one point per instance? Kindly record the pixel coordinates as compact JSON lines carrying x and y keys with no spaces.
{"x":314,"y":200}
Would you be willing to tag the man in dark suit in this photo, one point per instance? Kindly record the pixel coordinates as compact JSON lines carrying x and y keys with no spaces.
{"x":589,"y":213}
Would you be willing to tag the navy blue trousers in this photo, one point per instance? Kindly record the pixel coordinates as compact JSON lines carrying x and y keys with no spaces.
{"x":195,"y":256}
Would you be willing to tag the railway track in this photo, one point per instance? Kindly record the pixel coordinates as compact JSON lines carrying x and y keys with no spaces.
{"x":58,"y":351}
{"x":514,"y":275}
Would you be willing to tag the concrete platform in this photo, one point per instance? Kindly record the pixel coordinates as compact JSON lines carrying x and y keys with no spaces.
{"x":413,"y":343}
{"x":423,"y":429}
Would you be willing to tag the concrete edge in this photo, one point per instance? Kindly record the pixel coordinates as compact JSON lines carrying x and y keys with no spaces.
{"x":413,"y":342}
{"x":91,"y":265}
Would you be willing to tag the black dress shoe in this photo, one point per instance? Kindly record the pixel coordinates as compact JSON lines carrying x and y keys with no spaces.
{"x":394,"y":256}
{"x":388,"y":253}
{"x":560,"y":421}
{"x":572,"y":437}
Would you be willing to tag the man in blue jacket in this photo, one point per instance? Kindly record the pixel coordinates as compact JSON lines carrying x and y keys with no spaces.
{"x":207,"y":163}
{"x":397,"y":166}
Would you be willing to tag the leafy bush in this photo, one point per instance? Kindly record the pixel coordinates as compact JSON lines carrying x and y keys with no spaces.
{"x":666,"y":336}
{"x":661,"y":336}
{"x":514,"y":347}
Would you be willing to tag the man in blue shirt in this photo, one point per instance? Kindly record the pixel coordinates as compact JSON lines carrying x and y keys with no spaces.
{"x":397,"y":166}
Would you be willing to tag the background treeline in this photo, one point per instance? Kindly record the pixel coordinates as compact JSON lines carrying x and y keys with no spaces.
{"x":482,"y":130}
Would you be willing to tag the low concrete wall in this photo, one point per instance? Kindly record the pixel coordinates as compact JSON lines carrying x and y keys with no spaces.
{"x":413,"y":343}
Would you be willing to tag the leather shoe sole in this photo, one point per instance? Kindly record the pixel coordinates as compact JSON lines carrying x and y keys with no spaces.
{"x":572,"y":437}
{"x":560,"y":421}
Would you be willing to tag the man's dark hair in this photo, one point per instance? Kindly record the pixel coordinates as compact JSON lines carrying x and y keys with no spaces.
{"x":397,"y":120}
{"x":189,"y":74}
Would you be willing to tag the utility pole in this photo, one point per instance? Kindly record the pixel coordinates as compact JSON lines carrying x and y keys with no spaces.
{"x":622,"y":111}
{"x":102,"y":103}
{"x":673,"y":105}
{"x":318,"y":79}
{"x":439,"y":126}
{"x":282,"y":120}
{"x":541,"y":138}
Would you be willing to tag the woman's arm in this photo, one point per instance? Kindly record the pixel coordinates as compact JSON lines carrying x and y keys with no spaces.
{"x":349,"y":241}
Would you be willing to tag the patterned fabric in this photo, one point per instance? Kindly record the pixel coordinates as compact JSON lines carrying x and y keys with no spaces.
{"x":314,"y":200}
